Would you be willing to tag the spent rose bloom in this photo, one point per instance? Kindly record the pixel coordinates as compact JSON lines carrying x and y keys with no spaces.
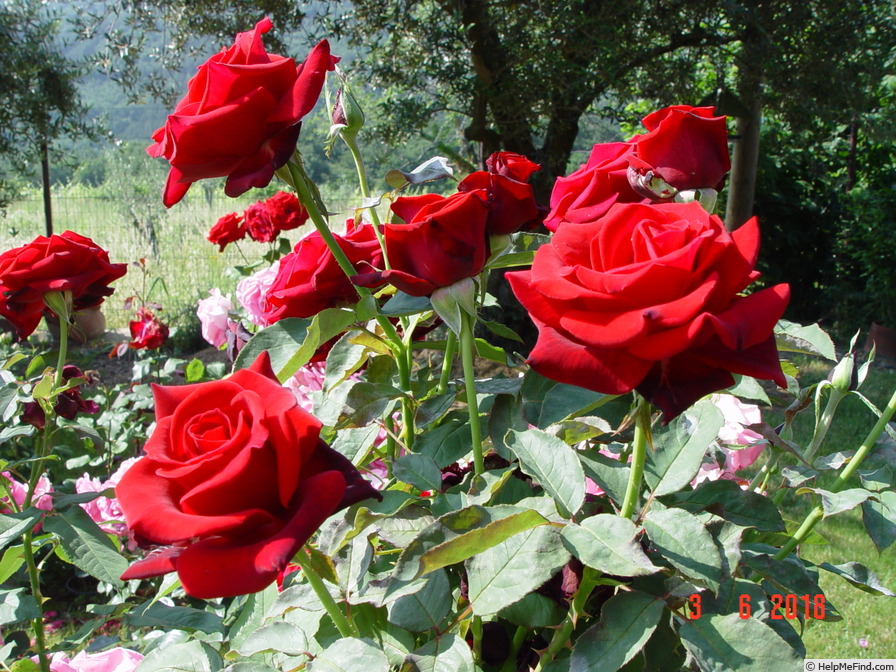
{"x":105,"y":511}
{"x":648,"y":297}
{"x":147,"y":331}
{"x":252,"y":290}
{"x":241,"y":116}
{"x":59,"y":263}
{"x":212,"y":313}
{"x":235,"y":480}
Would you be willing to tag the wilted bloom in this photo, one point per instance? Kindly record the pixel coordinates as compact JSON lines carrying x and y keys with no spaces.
{"x":212,"y":313}
{"x":147,"y":331}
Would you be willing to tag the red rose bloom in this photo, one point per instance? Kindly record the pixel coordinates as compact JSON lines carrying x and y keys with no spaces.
{"x":309,"y":279}
{"x":235,"y":480}
{"x":241,"y":116}
{"x":60,"y":263}
{"x":685,"y":146}
{"x":229,"y":229}
{"x":511,"y":199}
{"x":285,"y":211}
{"x":442,"y":241}
{"x":648,"y":298}
{"x":147,"y":332}
{"x":258,"y":223}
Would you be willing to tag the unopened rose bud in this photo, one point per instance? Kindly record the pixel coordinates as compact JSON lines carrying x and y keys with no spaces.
{"x":347,"y":114}
{"x":844,"y":377}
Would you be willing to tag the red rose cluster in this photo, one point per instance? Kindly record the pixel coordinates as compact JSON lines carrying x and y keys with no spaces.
{"x":235,"y":480}
{"x":637,"y":295}
{"x":59,"y":263}
{"x":445,"y":239}
{"x":262,"y":221}
{"x":241,"y":116}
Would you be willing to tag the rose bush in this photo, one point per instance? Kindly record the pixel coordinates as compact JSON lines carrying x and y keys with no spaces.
{"x":648,"y":298}
{"x":234,"y":481}
{"x":685,"y":146}
{"x":241,"y":116}
{"x":442,"y":240}
{"x":67,"y":262}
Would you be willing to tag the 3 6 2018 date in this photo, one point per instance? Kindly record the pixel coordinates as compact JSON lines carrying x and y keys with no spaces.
{"x":787,"y":607}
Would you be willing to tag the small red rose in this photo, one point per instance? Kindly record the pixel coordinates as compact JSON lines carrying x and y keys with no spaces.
{"x":228,"y":229}
{"x":147,"y":332}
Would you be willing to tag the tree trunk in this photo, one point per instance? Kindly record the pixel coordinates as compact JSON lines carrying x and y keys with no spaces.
{"x":45,"y":179}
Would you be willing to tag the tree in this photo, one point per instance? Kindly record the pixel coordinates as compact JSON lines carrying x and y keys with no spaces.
{"x":41,"y":100}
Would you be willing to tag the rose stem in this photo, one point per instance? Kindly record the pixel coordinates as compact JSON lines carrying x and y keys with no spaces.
{"x":518,"y":638}
{"x":447,"y":362}
{"x":639,"y":455}
{"x":317,"y":585}
{"x":466,"y":350}
{"x":399,"y":349}
{"x":817,"y":513}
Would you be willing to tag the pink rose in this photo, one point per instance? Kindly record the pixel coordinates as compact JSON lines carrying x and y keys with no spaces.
{"x":105,"y":511}
{"x":114,"y":660}
{"x":42,"y":499}
{"x":251,"y":292}
{"x":212,"y":313}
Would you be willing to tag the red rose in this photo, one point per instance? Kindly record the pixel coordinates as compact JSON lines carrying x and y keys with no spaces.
{"x":258,"y":223}
{"x":235,"y":480}
{"x":241,"y":116}
{"x":442,"y":241}
{"x":60,"y":263}
{"x":309,"y":279}
{"x":685,"y":146}
{"x":229,"y":229}
{"x":587,"y":193}
{"x":648,"y":298}
{"x":147,"y":332}
{"x":511,"y":199}
{"x":285,"y":211}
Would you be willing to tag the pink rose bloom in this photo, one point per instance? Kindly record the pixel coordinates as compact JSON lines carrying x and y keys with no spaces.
{"x":113,"y":660}
{"x":105,"y":511}
{"x":251,"y":292}
{"x":42,"y":494}
{"x":734,"y":433}
{"x":306,"y":381}
{"x":212,"y":314}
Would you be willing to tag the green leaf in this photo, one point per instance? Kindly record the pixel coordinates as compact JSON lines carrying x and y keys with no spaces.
{"x":789,"y":574}
{"x":448,"y":653}
{"x":609,"y":473}
{"x":344,"y":359}
{"x":355,"y":442}
{"x":877,"y":479}
{"x":461,"y":534}
{"x":534,"y":611}
{"x":405,"y":304}
{"x":506,"y":413}
{"x":627,"y":621}
{"x":17,"y":605}
{"x":13,"y":525}
{"x":880,"y":519}
{"x":293,"y":341}
{"x":568,"y":401}
{"x":505,"y":573}
{"x":447,"y":443}
{"x":191,"y":656}
{"x":728,"y":500}
{"x":732,"y":643}
{"x":160,"y":615}
{"x":807,"y":340}
{"x":607,"y":543}
{"x":9,"y":402}
{"x":350,"y":654}
{"x":553,"y":464}
{"x":194,"y":371}
{"x":421,"y":471}
{"x":860,"y":576}
{"x":279,"y":637}
{"x":89,"y":548}
{"x":678,"y":452}
{"x":252,"y":615}
{"x":838,"y":502}
{"x":12,"y":559}
{"x":426,"y":608}
{"x":749,"y":388}
{"x":683,"y":540}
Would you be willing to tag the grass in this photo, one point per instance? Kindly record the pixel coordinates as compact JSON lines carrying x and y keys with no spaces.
{"x":865,"y":616}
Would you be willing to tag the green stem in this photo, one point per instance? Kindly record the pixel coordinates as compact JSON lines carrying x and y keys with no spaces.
{"x":37,"y":623}
{"x":447,"y":362}
{"x":405,"y":363}
{"x":818,"y":512}
{"x":317,"y":585}
{"x":558,"y":642}
{"x":466,"y":350}
{"x":476,"y":627}
{"x":639,"y":456}
{"x":63,"y":351}
{"x":362,"y":174}
{"x":518,"y":638}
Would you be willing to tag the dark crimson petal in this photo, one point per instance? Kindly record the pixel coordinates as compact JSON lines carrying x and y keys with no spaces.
{"x":673,"y":385}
